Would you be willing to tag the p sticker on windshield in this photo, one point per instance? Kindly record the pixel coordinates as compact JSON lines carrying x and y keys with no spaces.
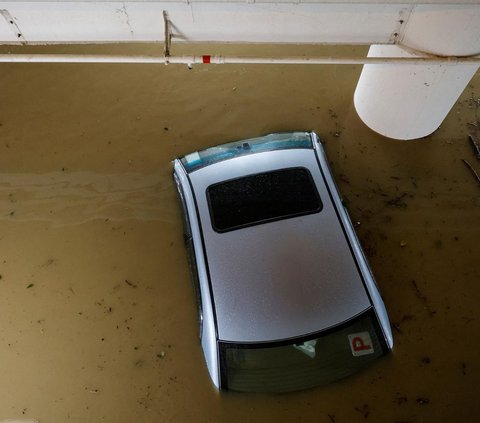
{"x":360,"y":344}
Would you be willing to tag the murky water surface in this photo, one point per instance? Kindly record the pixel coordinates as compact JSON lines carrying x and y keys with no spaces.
{"x":98,"y":321}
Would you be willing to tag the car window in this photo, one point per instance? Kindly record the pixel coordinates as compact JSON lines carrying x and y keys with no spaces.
{"x":262,"y":197}
{"x":272,"y":142}
{"x":303,"y":364}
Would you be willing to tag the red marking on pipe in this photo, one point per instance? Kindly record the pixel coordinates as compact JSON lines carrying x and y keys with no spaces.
{"x":206,"y":59}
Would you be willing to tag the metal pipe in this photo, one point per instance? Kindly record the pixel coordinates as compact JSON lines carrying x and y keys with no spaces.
{"x":206,"y":59}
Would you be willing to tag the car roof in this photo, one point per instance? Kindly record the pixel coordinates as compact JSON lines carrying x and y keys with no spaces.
{"x":281,"y":279}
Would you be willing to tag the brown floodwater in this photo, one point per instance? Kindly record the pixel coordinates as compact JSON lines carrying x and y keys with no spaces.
{"x":98,"y":319}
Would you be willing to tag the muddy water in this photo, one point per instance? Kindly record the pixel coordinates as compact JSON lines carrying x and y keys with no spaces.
{"x":98,"y":320}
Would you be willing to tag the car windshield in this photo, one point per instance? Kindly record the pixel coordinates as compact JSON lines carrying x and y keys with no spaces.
{"x":302,"y":364}
{"x":261,"y":198}
{"x":285,"y":141}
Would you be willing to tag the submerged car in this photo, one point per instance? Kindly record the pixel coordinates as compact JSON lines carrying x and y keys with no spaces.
{"x":286,"y":299}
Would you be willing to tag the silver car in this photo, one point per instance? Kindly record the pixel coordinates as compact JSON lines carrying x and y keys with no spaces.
{"x":286,"y":299}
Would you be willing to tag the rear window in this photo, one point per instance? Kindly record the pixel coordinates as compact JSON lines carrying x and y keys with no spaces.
{"x":303,"y":364}
{"x":261,"y":198}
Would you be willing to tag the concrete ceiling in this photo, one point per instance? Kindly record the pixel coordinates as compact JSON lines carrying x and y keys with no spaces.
{"x":279,"y":21}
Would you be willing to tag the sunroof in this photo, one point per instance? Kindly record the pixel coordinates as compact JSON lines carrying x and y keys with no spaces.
{"x":262,"y":197}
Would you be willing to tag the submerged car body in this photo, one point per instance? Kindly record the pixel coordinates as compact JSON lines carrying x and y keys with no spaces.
{"x":285,"y":296}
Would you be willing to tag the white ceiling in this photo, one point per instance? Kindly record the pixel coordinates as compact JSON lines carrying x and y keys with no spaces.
{"x":282,"y":21}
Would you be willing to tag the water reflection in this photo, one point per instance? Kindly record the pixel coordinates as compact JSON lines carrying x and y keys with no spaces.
{"x":63,"y":198}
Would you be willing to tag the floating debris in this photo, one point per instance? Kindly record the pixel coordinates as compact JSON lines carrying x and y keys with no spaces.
{"x":397,"y":201}
{"x":418,"y":292}
{"x":332,"y":114}
{"x":472,"y":170}
{"x":400,"y":399}
{"x":405,"y":318}
{"x":364,"y":410}
{"x":426,"y":360}
{"x":474,"y":101}
{"x":475,"y":146}
{"x":332,"y":418}
{"x":133,"y":285}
